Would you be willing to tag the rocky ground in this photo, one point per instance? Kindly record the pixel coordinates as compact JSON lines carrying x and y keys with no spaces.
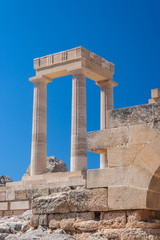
{"x":18,"y":227}
{"x":53,"y":164}
{"x":4,"y":180}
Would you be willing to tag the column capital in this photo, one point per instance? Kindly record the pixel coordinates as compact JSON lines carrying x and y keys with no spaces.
{"x":40,"y":79}
{"x":109,"y":82}
{"x":79,"y":71}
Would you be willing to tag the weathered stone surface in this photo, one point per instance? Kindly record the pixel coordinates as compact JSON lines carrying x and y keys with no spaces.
{"x":54,"y":224}
{"x":113,"y":220}
{"x":99,"y":141}
{"x":3,"y":206}
{"x":18,"y":205}
{"x":87,"y":226}
{"x":132,"y":142}
{"x":123,"y":155}
{"x":2,"y":196}
{"x":59,"y":189}
{"x":3,"y":236}
{"x":118,"y":225}
{"x":126,"y":198}
{"x":87,"y":200}
{"x":37,"y":220}
{"x":31,"y":193}
{"x":140,"y":134}
{"x":83,"y":216}
{"x":73,"y":201}
{"x":68,"y":224}
{"x":10,"y":195}
{"x":4,"y":180}
{"x":55,"y":203}
{"x":53,"y":164}
{"x":116,"y":176}
{"x":136,"y":115}
{"x":148,"y":159}
{"x":97,"y":178}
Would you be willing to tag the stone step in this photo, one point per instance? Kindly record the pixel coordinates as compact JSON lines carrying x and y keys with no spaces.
{"x":53,"y":175}
{"x":47,"y":182}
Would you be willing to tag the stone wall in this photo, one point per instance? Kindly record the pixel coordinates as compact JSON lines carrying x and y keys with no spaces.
{"x":15,"y":202}
{"x":84,"y":213}
{"x":132,"y":141}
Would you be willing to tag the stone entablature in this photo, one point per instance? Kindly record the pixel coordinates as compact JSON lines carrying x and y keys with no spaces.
{"x":63,"y":63}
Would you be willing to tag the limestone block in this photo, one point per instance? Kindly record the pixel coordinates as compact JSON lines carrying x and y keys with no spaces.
{"x":67,"y":224}
{"x":58,"y":189}
{"x":120,"y":198}
{"x":139,"y":218}
{"x":138,"y":177}
{"x":21,"y":194}
{"x":140,"y":215}
{"x":116,"y":176}
{"x":87,"y":200}
{"x":115,"y":219}
{"x":31,"y":193}
{"x":148,"y":159}
{"x":43,"y":220}
{"x":155,"y":93}
{"x":87,"y":226}
{"x":141,"y":134}
{"x":153,"y":200}
{"x":99,"y":141}
{"x":98,"y":178}
{"x":10,"y":195}
{"x":136,"y":115}
{"x":37,"y":220}
{"x":54,"y":224}
{"x":82,"y":200}
{"x":55,"y":203}
{"x":155,"y":144}
{"x":52,"y":176}
{"x":2,"y":196}
{"x":3,"y":206}
{"x":123,"y":155}
{"x":83,"y":216}
{"x":18,"y":205}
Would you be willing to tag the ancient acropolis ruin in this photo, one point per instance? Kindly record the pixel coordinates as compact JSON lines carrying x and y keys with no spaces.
{"x":124,"y":193}
{"x":80,"y":63}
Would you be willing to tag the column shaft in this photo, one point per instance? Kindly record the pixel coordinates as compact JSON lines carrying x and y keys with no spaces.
{"x":78,"y":133}
{"x":106,"y":104}
{"x":38,"y":152}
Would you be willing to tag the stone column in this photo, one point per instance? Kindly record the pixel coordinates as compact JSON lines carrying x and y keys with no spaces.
{"x":106,"y":104}
{"x":39,"y":132}
{"x":78,"y":133}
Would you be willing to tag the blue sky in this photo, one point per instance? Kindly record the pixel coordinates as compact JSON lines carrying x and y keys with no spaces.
{"x":124,"y":32}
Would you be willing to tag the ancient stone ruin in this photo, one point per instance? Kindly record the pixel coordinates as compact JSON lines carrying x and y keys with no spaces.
{"x":121,"y":200}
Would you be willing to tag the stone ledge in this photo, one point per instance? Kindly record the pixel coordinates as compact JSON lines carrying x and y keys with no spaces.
{"x":136,"y":115}
{"x":70,"y":55}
